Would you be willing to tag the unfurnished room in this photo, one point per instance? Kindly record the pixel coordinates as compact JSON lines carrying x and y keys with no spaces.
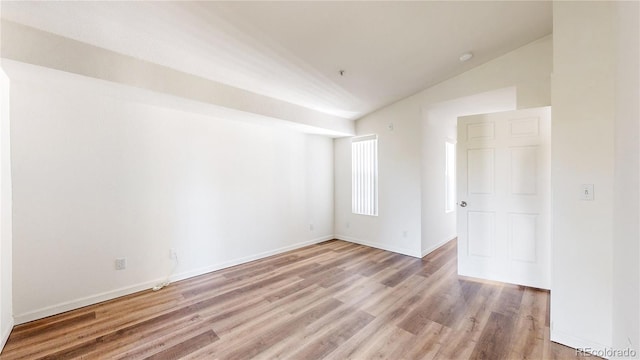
{"x":319,"y":179}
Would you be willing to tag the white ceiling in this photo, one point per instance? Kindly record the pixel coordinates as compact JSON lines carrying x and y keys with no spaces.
{"x":293,"y":51}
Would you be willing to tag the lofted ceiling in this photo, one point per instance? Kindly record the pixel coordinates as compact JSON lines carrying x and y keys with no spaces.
{"x":294,"y":51}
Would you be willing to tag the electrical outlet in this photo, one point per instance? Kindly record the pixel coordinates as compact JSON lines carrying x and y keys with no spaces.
{"x":404,"y":233}
{"x":173,"y":254}
{"x":310,"y":227}
{"x":348,"y":225}
{"x":121,"y":264}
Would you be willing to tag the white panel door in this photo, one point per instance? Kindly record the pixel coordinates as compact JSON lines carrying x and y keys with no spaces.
{"x":504,"y":196}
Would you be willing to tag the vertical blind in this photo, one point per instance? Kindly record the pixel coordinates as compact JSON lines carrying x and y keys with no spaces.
{"x":364,"y":175}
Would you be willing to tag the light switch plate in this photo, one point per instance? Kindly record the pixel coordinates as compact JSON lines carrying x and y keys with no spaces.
{"x":586,"y":192}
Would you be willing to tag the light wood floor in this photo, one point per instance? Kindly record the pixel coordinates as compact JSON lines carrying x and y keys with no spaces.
{"x":334,"y":300}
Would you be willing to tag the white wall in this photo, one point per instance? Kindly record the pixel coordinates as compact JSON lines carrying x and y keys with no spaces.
{"x":583,"y":99}
{"x":6,"y":297}
{"x":438,"y":126}
{"x":98,"y":177}
{"x":397,"y":226}
{"x":626,"y":239}
{"x":406,"y":162}
{"x":484,"y":89}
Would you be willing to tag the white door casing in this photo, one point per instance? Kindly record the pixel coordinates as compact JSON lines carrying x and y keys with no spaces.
{"x":503,"y":167}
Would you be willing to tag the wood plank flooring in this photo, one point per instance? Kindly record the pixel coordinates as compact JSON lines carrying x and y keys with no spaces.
{"x":333,"y":300}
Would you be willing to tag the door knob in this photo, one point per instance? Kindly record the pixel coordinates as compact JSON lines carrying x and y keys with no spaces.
{"x":463,"y":204}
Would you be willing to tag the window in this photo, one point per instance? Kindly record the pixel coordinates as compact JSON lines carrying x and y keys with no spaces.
{"x":450,"y":176}
{"x":364,"y":175}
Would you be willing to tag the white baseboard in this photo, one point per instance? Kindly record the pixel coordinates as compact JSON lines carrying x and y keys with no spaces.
{"x":112,"y":294}
{"x":399,"y":250}
{"x":226,"y":264}
{"x":576,"y":342}
{"x":85,"y":301}
{"x":5,"y":334}
{"x":431,"y":249}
